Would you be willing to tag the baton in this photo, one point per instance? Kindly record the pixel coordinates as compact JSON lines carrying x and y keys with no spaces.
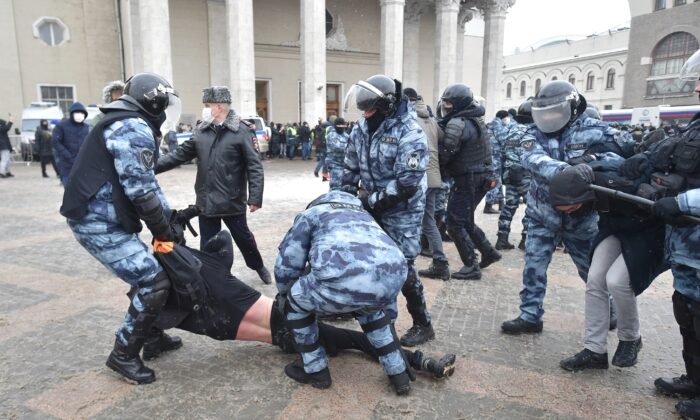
{"x":637,"y":200}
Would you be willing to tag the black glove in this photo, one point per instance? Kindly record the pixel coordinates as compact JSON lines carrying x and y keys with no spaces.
{"x":581,"y":159}
{"x":667,"y":209}
{"x":634,"y":167}
{"x":585,"y":172}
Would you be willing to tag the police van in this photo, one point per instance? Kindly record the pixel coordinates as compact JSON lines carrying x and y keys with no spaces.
{"x":262,"y":133}
{"x":31,"y":116}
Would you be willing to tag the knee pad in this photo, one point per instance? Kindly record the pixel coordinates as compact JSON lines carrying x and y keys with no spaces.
{"x":154,"y":300}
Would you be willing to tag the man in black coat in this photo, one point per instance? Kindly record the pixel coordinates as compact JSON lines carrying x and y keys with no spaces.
{"x":5,"y":148}
{"x":228,"y":168}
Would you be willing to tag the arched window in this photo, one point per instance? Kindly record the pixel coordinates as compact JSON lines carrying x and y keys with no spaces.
{"x":509,"y":90}
{"x":610,"y":80}
{"x":522,"y":89}
{"x":671,"y":52}
{"x":590,"y":80}
{"x":538,"y":85}
{"x":554,"y":78}
{"x":572,"y":79}
{"x":329,"y":22}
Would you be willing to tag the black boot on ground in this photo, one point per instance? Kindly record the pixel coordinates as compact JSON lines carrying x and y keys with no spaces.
{"x":521,"y":245}
{"x":488,"y":209}
{"x":127,"y":363}
{"x":320,"y":379}
{"x":471,"y":272}
{"x":158,"y":343}
{"x":585,"y":359}
{"x":401,"y":383}
{"x":680,"y":386}
{"x":502,"y":242}
{"x":417,"y":334}
{"x":439,"y":269}
{"x":689,"y":409}
{"x":443,"y":368}
{"x":627,"y":352}
{"x":519,"y":326}
{"x":489,"y":255}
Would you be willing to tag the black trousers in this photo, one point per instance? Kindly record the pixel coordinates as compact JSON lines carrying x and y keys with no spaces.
{"x":242,"y":236}
{"x":45,"y":160}
{"x":687,"y":314}
{"x":467,"y":192}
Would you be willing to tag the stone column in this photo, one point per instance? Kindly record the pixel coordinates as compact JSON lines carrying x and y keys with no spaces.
{"x":391,"y":44}
{"x":411,"y":38}
{"x":241,"y":52}
{"x":492,"y":70}
{"x":219,"y":72}
{"x":13,"y":99}
{"x":465,"y":15}
{"x":446,"y":12}
{"x":313,"y":60}
{"x":154,"y":25}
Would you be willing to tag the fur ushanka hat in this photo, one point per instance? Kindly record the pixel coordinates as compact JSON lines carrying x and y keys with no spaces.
{"x":216,"y":95}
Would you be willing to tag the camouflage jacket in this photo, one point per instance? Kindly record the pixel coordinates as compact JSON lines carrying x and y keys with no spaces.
{"x":335,"y":155}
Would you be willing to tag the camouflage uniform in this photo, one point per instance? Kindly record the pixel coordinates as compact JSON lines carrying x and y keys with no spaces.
{"x":515,"y":177}
{"x":393,"y":160}
{"x":495,"y":128}
{"x":335,"y":155}
{"x":544,"y":157}
{"x":354,"y":267}
{"x":100,"y":231}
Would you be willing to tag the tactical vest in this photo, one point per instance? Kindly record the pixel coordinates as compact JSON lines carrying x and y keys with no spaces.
{"x":474,"y":155}
{"x":93,"y":167}
{"x":678,"y":161}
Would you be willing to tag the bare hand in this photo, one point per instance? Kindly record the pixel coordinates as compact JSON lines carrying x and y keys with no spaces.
{"x":253,"y":208}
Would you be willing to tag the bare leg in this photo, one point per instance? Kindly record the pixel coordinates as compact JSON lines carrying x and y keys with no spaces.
{"x":255,"y":325}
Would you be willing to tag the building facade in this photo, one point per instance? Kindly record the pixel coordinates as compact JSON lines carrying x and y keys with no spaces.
{"x":596,"y":65}
{"x":284,"y":60}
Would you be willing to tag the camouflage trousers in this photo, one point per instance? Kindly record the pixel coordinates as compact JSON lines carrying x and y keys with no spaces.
{"x":308,"y":298}
{"x":441,"y":199}
{"x":514,"y":191}
{"x":495,"y":195}
{"x":577,"y":233}
{"x":138,"y":269}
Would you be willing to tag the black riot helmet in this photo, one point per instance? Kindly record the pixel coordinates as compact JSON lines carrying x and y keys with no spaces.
{"x":379,"y":91}
{"x":456,"y":97}
{"x":524,"y":113}
{"x":556,"y":105}
{"x":151,"y":92}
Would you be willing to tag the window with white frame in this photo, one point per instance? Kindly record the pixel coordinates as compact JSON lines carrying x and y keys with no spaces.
{"x":522,"y":89}
{"x":610,"y":80}
{"x":509,"y":90}
{"x":51,"y":30}
{"x":63,"y":96}
{"x":572,"y":79}
{"x":590,"y":80}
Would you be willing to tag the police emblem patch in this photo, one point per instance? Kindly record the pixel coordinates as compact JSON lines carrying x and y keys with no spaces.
{"x":147,"y":158}
{"x":413,"y":161}
{"x":528,"y":144}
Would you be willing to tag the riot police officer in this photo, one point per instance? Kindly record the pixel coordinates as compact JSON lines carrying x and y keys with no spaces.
{"x":112,"y":189}
{"x":388,"y":152}
{"x":683,"y":244}
{"x":336,"y":141}
{"x":562,"y":136}
{"x":515,"y":177}
{"x":465,"y":156}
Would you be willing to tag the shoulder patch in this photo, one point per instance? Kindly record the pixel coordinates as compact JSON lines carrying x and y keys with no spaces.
{"x":413,"y":161}
{"x":527,"y":144}
{"x":146,"y":157}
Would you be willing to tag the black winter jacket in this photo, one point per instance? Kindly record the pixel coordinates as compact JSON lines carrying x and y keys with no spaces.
{"x":228,"y":166}
{"x":4,"y":137}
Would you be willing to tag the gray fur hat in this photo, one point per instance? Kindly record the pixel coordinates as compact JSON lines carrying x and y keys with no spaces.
{"x":216,"y":95}
{"x":109,"y":88}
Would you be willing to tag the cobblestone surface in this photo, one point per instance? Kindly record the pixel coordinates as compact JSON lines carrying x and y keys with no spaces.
{"x":59,"y":308}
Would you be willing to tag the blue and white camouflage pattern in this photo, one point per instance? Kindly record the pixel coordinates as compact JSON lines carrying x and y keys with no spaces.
{"x":683,"y":246}
{"x":335,"y":157}
{"x":495,"y":128}
{"x":515,"y":181}
{"x":545,"y":157}
{"x":336,"y":259}
{"x":100,"y":232}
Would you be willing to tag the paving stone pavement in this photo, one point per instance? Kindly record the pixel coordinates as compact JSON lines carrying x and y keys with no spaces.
{"x":59,"y":308}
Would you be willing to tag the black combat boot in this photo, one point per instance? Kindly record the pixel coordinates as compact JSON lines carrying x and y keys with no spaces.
{"x":401,"y":383}
{"x":440,"y":369}
{"x":125,"y":360}
{"x":521,"y":245}
{"x":489,"y":255}
{"x":689,"y":409}
{"x":680,"y":386}
{"x":471,"y":272}
{"x":519,"y":326}
{"x":320,"y":379}
{"x":439,"y":269}
{"x":626,"y":353}
{"x":418,"y":334}
{"x":158,"y":343}
{"x":585,"y":359}
{"x":488,"y":209}
{"x":502,"y":242}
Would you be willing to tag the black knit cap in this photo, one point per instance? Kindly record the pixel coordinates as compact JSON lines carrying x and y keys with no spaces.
{"x":502,"y":114}
{"x":569,"y":187}
{"x":411,"y":93}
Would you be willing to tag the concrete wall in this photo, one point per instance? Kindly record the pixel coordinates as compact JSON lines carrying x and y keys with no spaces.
{"x":647,"y":30}
{"x":10,"y":68}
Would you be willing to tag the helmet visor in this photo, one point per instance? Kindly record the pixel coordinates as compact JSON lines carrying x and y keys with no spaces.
{"x":551,"y":118}
{"x":691,"y":69}
{"x":361,"y":97}
{"x":172,"y":113}
{"x":445,"y":108}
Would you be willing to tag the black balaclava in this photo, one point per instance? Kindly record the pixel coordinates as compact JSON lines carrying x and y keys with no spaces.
{"x":375,"y":121}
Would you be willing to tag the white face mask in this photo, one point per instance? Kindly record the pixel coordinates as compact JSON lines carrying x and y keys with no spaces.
{"x":206,"y":115}
{"x":78,"y":117}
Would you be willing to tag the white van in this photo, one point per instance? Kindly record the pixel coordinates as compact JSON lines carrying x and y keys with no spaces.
{"x":262,"y":133}
{"x":31,"y":117}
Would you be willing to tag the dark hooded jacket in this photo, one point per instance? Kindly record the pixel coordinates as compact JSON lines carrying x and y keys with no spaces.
{"x":4,"y":137}
{"x":228,"y":166}
{"x":68,"y":136}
